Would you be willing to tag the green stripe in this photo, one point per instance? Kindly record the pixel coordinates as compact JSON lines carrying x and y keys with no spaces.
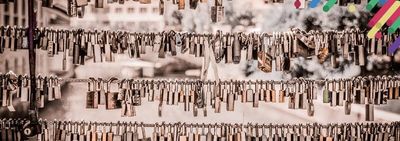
{"x":394,"y":26}
{"x":329,"y":5}
{"x":371,"y":4}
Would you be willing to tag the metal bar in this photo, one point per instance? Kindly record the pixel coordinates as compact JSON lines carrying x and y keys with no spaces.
{"x":265,"y":34}
{"x":226,"y":82}
{"x":81,"y":80}
{"x":73,"y":80}
{"x":212,"y":125}
{"x":32,"y":53}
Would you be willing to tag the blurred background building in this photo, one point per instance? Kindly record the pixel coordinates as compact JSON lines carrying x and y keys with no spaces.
{"x":130,"y":16}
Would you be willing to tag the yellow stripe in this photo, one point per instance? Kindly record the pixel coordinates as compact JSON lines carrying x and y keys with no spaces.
{"x":383,"y":20}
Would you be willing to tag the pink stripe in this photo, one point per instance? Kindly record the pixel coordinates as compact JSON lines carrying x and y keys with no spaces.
{"x":394,"y":17}
{"x":380,"y":13}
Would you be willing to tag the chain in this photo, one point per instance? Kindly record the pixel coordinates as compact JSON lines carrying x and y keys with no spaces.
{"x":217,"y":125}
{"x":295,"y":80}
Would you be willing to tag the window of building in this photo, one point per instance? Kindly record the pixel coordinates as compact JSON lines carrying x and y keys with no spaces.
{"x":16,"y":6}
{"x":6,"y":20}
{"x":104,"y":10}
{"x":131,"y":10}
{"x":6,"y":7}
{"x":118,"y":10}
{"x":143,"y":10}
{"x":155,"y":10}
{"x":24,"y":6}
{"x":16,"y":21}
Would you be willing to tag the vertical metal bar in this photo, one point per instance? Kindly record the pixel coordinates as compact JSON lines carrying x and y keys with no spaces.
{"x":32,"y":53}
